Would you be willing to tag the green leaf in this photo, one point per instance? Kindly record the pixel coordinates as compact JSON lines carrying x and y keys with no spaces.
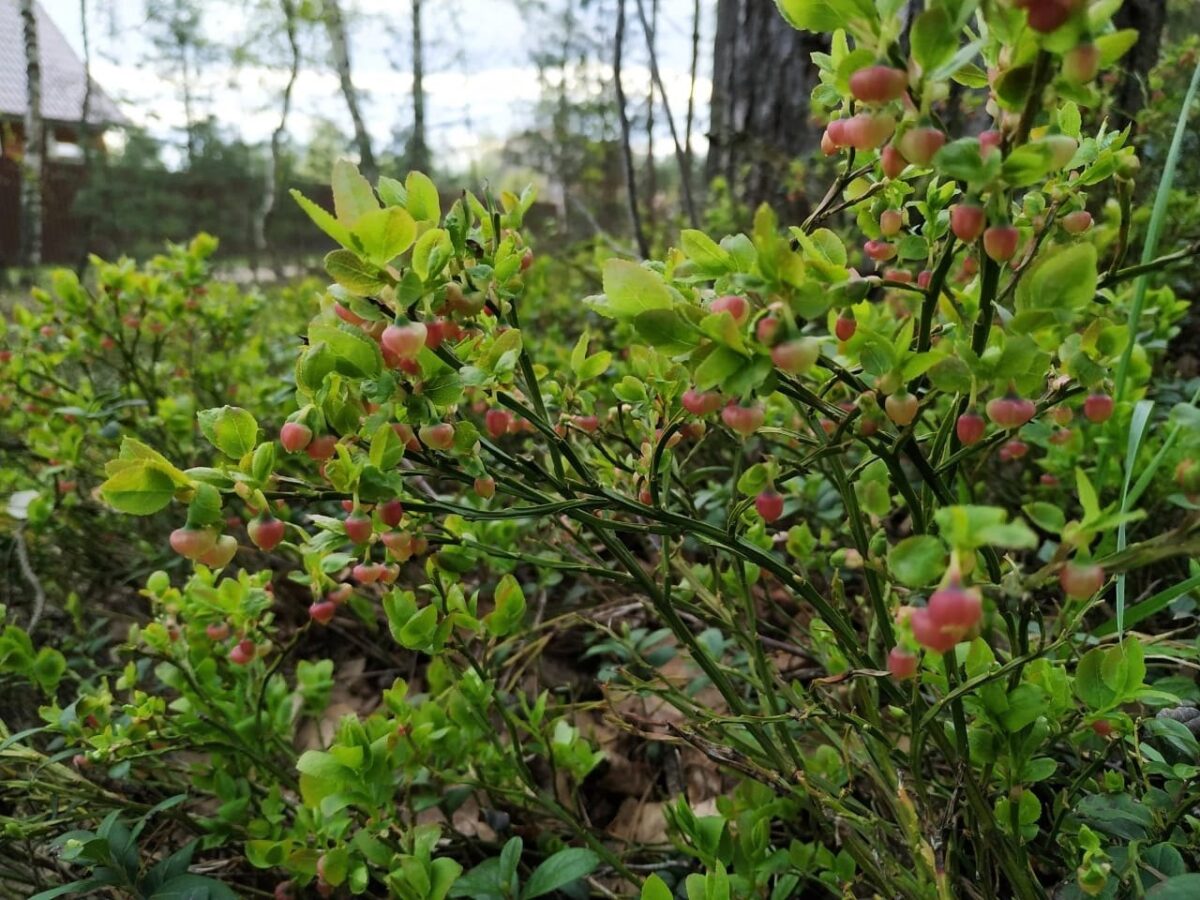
{"x":48,"y":668}
{"x":74,"y":887}
{"x":560,"y":870}
{"x":962,"y":161}
{"x":1177,"y":887}
{"x":917,"y":561}
{"x":418,"y":632}
{"x":323,"y":220}
{"x":718,"y":368}
{"x":140,"y":489}
{"x":230,"y":429}
{"x":654,"y":888}
{"x":384,"y":234}
{"x":356,"y":275}
{"x":934,"y":38}
{"x":510,"y":608}
{"x":631,"y":289}
{"x":434,"y":249}
{"x":354,"y":353}
{"x":193,"y":887}
{"x":667,"y":331}
{"x":423,"y":201}
{"x":352,"y":194}
{"x":1065,"y":280}
{"x":822,"y":15}
{"x":707,"y":254}
{"x":1114,"y":45}
{"x":1046,"y":516}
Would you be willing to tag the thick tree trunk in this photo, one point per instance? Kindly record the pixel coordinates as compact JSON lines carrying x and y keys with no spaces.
{"x":335,"y":27}
{"x":418,"y":148}
{"x":31,"y":182}
{"x":1148,"y":17}
{"x":762,"y":78}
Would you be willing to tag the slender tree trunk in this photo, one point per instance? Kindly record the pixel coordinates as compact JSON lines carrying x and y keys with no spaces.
{"x":31,"y":182}
{"x":186,"y":84}
{"x":651,"y":171}
{"x":85,"y":132}
{"x":690,"y":119}
{"x":635,"y":219}
{"x":418,"y":148}
{"x":271,"y":185}
{"x":685,"y":182}
{"x":1148,"y":17}
{"x":335,"y":27}
{"x":762,"y":78}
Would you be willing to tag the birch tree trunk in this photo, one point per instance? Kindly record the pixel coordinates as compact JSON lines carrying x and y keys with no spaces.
{"x":272,"y":185}
{"x":335,"y":27}
{"x":418,"y":148}
{"x":31,"y":182}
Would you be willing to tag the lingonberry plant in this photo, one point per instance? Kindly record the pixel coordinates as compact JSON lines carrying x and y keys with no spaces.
{"x":782,"y":449}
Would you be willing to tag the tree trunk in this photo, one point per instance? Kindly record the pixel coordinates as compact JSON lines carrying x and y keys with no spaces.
{"x":31,"y":182}
{"x":635,"y":219}
{"x":762,"y":78}
{"x":271,"y":184}
{"x":335,"y":27}
{"x":418,"y":148}
{"x":85,"y":133}
{"x":1148,"y":17}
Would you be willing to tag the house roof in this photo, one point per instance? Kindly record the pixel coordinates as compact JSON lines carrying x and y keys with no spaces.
{"x":63,"y":78}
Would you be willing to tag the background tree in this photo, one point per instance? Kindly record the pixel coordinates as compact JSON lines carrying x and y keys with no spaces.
{"x":417,"y":152}
{"x":177,"y":36}
{"x":335,"y":28}
{"x":34,"y":150}
{"x":1131,"y":94}
{"x":762,"y":78}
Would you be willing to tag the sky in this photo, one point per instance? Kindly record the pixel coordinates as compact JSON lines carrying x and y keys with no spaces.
{"x":480,"y":82}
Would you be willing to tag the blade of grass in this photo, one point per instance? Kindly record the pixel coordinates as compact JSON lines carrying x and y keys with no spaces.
{"x":1148,"y":473}
{"x":1148,"y":607}
{"x":1157,"y":220}
{"x":1137,"y":428}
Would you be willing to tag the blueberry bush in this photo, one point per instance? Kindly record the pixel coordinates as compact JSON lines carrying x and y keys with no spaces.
{"x":876,"y":516}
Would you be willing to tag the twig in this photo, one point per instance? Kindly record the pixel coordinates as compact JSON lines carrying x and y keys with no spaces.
{"x":39,"y":594}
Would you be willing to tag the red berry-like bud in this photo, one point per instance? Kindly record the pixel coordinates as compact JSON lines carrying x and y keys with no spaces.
{"x":1062,"y":148}
{"x":322,"y":611}
{"x":878,"y":84}
{"x":1098,"y":408}
{"x":967,"y":222}
{"x":1010,"y":411}
{"x":405,"y":341}
{"x":1103,"y":728}
{"x":989,"y":141}
{"x":399,"y":544}
{"x":797,"y":355}
{"x":295,"y":436}
{"x":745,"y":420}
{"x":586,"y":423}
{"x":1013,"y":449}
{"x":391,"y":512}
{"x":497,"y":422}
{"x":366,"y":573}
{"x":828,"y":145}
{"x":1048,"y":15}
{"x":845,"y":326}
{"x":1187,"y":476}
{"x":266,"y":532}
{"x":901,"y":664}
{"x":243,"y":652}
{"x":193,"y":543}
{"x":970,"y":428}
{"x":892,"y":162}
{"x":867,"y":131}
{"x":880,"y":251}
{"x":902,"y":407}
{"x":221,"y":554}
{"x":526,"y":260}
{"x":923,"y":278}
{"x":485,"y":487}
{"x":737,"y":307}
{"x":1077,"y":222}
{"x":701,"y":403}
{"x":438,"y":437}
{"x":217,"y":631}
{"x":358,"y":528}
{"x":766,"y":329}
{"x":769,"y":505}
{"x":1081,"y":63}
{"x":952,"y":612}
{"x":1081,"y":580}
{"x":919,"y":145}
{"x":837,"y":132}
{"x":1000,"y":242}
{"x":890,"y":222}
{"x":347,"y":316}
{"x":322,"y":447}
